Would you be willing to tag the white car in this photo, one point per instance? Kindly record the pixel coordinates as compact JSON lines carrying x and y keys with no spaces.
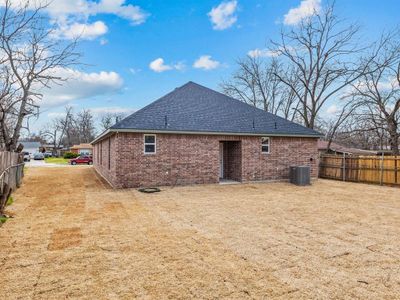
{"x":38,"y":156}
{"x":27,"y":156}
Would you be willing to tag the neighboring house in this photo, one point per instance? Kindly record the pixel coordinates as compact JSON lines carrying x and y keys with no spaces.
{"x":31,"y":147}
{"x":53,"y":149}
{"x":196,"y":135}
{"x":82,"y":149}
{"x":340,"y":150}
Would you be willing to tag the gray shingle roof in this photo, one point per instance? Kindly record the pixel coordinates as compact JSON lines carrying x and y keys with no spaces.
{"x":195,"y":108}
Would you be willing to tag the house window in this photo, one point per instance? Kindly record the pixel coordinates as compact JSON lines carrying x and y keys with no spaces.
{"x":149,"y":143}
{"x":265,"y":146}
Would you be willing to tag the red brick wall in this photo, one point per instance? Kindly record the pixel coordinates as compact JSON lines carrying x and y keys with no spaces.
{"x":284,"y":152}
{"x":105,"y":161}
{"x":192,"y":159}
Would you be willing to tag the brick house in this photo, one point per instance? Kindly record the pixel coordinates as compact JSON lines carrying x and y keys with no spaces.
{"x":82,"y":149}
{"x":195,"y":135}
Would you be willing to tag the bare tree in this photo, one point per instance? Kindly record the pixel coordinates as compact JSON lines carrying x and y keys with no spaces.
{"x":108,"y":119}
{"x":70,"y":129}
{"x":58,"y":130}
{"x":290,"y":104}
{"x":255,"y":83}
{"x":320,"y":59}
{"x":339,"y":122}
{"x":362,"y":133}
{"x":29,"y":58}
{"x":85,"y":124}
{"x":378,"y":90}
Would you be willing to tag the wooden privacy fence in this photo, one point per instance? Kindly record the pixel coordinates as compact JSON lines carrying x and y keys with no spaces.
{"x":11,"y":173}
{"x":383,"y":170}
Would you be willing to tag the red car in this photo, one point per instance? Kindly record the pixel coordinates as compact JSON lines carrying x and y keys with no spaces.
{"x":84,"y":159}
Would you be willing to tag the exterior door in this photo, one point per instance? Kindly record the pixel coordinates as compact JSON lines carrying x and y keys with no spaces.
{"x":221,"y":160}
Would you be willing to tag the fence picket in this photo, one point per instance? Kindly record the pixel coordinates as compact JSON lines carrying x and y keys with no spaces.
{"x":369,"y":169}
{"x":11,"y":172}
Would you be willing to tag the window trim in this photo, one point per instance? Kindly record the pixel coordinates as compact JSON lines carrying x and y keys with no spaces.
{"x":144,"y":144}
{"x":264,"y":144}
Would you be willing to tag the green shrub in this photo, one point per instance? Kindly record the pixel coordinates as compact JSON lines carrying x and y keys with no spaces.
{"x":69,"y":155}
{"x":10,"y":201}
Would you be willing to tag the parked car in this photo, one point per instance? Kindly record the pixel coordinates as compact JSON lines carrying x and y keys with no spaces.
{"x":83,"y":159}
{"x":27,"y":157}
{"x":48,"y":154}
{"x":38,"y":156}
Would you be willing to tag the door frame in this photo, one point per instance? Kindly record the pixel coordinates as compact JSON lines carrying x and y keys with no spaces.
{"x":221,"y":160}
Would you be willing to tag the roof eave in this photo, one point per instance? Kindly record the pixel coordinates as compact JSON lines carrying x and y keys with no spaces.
{"x":116,"y":130}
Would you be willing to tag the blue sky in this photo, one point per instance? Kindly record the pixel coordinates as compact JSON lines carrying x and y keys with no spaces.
{"x":120,"y":39}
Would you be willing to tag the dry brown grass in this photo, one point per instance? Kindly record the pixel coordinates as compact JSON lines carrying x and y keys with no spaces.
{"x":73,"y":237}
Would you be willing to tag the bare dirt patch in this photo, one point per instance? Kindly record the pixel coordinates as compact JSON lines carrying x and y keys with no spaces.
{"x":74,"y":237}
{"x":65,"y":238}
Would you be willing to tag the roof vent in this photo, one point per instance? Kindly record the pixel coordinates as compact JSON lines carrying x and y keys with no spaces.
{"x":166,"y":122}
{"x":275,"y":126}
{"x":254,"y":126}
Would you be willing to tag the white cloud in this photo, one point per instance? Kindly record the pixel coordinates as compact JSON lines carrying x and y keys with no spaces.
{"x":158,"y":65}
{"x":72,"y":16}
{"x":180,"y":66}
{"x":304,"y":10}
{"x":262,"y":53}
{"x":333,"y":109}
{"x":385,"y":85}
{"x":99,"y":111}
{"x":53,"y":115}
{"x":270,"y":53}
{"x":223,"y":16}
{"x":62,"y":9}
{"x":388,"y":84}
{"x":103,"y":42}
{"x":80,"y":85}
{"x":205,"y":62}
{"x":127,"y":11}
{"x":80,"y":30}
{"x":134,"y":71}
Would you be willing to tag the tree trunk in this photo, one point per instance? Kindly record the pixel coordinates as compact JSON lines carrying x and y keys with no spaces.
{"x":394,"y":136}
{"x":394,"y":143}
{"x":12,"y":146}
{"x":4,"y":197}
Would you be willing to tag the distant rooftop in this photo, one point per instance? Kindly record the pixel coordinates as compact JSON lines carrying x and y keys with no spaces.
{"x":82,"y":146}
{"x":30,"y":145}
{"x":322,"y":146}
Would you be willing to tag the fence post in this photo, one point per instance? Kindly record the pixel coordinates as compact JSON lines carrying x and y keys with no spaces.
{"x":381,"y":179}
{"x":344,"y":166}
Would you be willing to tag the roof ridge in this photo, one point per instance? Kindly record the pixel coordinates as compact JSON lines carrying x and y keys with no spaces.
{"x":150,"y":104}
{"x":243,"y":103}
{"x":194,"y":107}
